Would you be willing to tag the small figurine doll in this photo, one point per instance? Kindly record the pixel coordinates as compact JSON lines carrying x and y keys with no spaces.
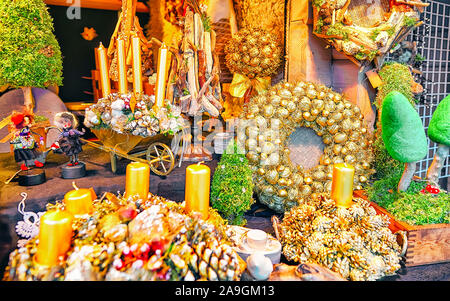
{"x":24,"y":144}
{"x":69,"y":139}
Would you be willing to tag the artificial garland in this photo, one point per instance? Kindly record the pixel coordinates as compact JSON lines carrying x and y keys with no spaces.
{"x":280,"y":111}
{"x":125,"y":114}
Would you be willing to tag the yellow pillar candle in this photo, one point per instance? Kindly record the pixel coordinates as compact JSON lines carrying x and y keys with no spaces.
{"x":342,"y":184}
{"x":104,"y":71}
{"x":122,"y":66}
{"x":55,"y":236}
{"x":137,"y":180}
{"x":198,"y":177}
{"x":161,"y":76}
{"x":79,"y":201}
{"x":137,"y":64}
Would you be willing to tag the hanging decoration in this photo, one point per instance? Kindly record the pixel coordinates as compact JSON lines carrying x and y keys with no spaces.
{"x":364,"y":31}
{"x":253,"y":55}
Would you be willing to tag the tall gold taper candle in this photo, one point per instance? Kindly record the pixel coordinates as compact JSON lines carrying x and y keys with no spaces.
{"x":104,"y":71}
{"x":137,"y":64}
{"x":342,"y":184}
{"x":161,"y":77}
{"x":122,"y":66}
{"x":197,"y":189}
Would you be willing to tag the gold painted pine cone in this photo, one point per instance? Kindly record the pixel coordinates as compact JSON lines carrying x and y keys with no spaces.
{"x":253,"y":52}
{"x":354,"y":242}
{"x":199,"y":254}
{"x":271,"y":117}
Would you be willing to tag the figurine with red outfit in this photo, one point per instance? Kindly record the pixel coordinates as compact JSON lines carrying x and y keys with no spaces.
{"x":24,"y":145}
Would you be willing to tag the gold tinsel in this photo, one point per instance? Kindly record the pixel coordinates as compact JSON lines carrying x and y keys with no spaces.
{"x":354,"y":242}
{"x":253,"y":52}
{"x":271,"y":117}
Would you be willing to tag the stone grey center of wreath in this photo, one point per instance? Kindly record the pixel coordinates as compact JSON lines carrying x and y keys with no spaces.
{"x":306,"y":148}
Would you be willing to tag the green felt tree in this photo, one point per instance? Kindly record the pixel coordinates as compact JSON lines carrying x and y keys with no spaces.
{"x":232,"y":186}
{"x":439,"y":132}
{"x":30,"y":55}
{"x":403,"y":134}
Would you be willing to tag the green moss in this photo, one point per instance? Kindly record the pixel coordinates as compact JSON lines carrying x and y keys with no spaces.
{"x":232,"y":186}
{"x":419,"y":58}
{"x":318,"y":3}
{"x":410,"y":206}
{"x":395,"y":77}
{"x":374,"y":34}
{"x":409,"y":22}
{"x":319,"y":25}
{"x":390,"y":31}
{"x":338,"y":29}
{"x":30,"y":53}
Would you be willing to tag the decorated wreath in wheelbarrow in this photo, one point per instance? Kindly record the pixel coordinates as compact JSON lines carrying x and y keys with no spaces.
{"x":132,"y":128}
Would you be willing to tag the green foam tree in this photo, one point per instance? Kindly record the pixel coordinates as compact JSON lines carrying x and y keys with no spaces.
{"x":403,"y":134}
{"x":439,"y":132}
{"x":30,"y":55}
{"x":232,"y":186}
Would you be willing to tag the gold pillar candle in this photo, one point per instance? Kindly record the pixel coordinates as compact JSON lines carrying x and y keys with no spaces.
{"x":198,"y":177}
{"x":137,"y":64}
{"x":104,"y":71}
{"x":122,"y":66}
{"x":79,"y":201}
{"x":55,"y":236}
{"x":137,"y":180}
{"x":342,"y":184}
{"x":161,"y":76}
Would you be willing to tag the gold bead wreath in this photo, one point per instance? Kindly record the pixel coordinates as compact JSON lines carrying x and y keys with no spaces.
{"x":253,"y":52}
{"x":271,"y":117}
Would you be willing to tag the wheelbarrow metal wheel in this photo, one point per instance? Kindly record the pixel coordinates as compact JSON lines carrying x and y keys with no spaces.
{"x":160,"y":158}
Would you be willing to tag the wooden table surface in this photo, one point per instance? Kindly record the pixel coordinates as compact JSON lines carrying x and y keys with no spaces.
{"x":100,"y":177}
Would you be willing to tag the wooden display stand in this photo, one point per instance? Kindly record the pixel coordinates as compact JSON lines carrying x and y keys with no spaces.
{"x":427,"y":244}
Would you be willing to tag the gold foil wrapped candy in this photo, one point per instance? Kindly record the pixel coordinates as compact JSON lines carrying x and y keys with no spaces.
{"x":275,"y":114}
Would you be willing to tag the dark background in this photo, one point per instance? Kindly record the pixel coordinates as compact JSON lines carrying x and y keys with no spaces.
{"x":78,"y":53}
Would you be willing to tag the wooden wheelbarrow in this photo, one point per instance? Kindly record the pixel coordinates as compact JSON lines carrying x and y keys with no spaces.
{"x":155,"y":149}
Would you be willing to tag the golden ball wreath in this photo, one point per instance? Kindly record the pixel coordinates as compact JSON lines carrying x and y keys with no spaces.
{"x":271,"y":117}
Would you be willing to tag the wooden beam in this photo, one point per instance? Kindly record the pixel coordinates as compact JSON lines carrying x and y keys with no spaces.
{"x":98,"y":4}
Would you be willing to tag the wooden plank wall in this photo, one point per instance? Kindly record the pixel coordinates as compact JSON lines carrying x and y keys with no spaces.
{"x":308,"y":59}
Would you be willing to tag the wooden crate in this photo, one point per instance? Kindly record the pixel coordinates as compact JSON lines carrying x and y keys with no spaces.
{"x":427,"y":244}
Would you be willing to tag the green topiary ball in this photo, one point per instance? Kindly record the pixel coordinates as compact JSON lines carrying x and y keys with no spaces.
{"x":402,"y":130}
{"x":439,"y":127}
{"x":30,"y":55}
{"x":232,"y":186}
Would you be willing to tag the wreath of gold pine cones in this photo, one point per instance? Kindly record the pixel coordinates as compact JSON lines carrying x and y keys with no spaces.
{"x":253,"y":52}
{"x":271,"y":117}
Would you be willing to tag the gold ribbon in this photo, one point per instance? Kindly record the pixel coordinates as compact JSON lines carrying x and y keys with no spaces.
{"x":242,"y":83}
